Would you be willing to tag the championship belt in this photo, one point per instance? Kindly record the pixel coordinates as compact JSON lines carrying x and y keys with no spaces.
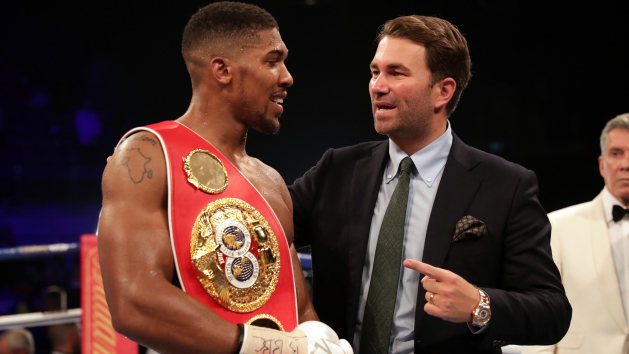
{"x":229,"y":247}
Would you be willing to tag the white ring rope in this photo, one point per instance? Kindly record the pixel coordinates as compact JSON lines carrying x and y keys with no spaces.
{"x":37,"y":319}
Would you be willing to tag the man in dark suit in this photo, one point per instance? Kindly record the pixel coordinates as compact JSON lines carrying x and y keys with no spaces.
{"x":478,"y":272}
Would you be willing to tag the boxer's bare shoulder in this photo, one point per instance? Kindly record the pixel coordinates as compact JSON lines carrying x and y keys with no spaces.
{"x":137,"y":165}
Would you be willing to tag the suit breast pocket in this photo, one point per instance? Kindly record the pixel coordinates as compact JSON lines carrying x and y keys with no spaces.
{"x":472,"y":259}
{"x":470,"y":247}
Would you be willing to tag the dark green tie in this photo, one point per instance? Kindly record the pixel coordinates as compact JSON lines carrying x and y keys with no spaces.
{"x":385,"y":276}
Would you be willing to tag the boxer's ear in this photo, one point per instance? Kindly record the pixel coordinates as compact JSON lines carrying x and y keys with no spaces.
{"x":221,"y":70}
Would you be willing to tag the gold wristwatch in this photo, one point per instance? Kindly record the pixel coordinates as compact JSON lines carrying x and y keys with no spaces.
{"x":482,"y":313}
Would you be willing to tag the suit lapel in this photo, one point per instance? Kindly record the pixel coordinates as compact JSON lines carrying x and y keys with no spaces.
{"x":364,"y":189}
{"x":604,"y":261}
{"x":456,"y":191}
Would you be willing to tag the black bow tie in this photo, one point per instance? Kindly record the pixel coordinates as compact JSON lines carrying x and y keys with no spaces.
{"x":619,"y":212}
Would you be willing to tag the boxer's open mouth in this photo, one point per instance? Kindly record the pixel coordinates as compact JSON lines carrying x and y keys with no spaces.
{"x":277,"y":100}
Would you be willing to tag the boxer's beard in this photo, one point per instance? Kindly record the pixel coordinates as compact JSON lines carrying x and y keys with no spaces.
{"x":260,"y":120}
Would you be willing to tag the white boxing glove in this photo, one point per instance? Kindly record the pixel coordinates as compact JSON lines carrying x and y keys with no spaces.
{"x":322,"y":339}
{"x":311,"y":337}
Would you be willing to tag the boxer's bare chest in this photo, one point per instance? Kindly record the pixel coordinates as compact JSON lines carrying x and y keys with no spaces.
{"x":271,"y":190}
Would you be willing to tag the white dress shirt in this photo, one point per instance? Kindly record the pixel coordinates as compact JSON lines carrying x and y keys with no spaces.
{"x":618,"y":233}
{"x":425,"y":177}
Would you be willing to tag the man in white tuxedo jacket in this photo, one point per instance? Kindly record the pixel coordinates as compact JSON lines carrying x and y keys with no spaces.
{"x":590,"y":244}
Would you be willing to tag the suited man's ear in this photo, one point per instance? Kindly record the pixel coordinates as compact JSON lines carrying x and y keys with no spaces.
{"x":221,"y":70}
{"x":443,"y":91}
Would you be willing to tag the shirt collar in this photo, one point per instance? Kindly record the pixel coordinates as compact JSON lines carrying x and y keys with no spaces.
{"x":608,"y":203}
{"x":428,"y":161}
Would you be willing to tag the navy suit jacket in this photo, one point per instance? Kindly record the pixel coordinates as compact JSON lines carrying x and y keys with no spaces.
{"x":333,"y":207}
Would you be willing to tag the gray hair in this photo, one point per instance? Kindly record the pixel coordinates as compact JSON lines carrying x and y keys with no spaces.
{"x":619,"y":122}
{"x":20,"y":339}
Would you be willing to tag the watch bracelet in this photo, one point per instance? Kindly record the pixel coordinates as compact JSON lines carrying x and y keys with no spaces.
{"x":484,"y":302}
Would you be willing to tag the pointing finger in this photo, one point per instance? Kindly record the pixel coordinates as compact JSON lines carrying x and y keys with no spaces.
{"x":427,"y":269}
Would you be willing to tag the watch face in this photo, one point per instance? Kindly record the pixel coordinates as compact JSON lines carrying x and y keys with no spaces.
{"x":483,"y":314}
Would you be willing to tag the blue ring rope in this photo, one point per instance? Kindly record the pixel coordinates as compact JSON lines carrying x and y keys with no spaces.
{"x":25,"y":252}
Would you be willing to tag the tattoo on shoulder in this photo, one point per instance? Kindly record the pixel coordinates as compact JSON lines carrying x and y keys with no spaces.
{"x":135,"y":162}
{"x":142,"y":137}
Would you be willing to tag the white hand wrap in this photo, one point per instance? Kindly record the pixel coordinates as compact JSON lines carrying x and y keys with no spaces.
{"x":310,"y":337}
{"x":259,"y":340}
{"x":322,"y":339}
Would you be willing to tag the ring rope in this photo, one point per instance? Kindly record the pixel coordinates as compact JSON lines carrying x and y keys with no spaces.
{"x":36,"y":319}
{"x":24,"y":252}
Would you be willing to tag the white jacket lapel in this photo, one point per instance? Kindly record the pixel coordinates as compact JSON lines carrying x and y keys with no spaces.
{"x":604,"y":261}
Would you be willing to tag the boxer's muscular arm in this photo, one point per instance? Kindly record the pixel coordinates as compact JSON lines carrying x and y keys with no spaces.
{"x":137,"y":263}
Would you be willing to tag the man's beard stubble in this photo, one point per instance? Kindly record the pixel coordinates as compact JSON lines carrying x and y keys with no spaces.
{"x":260,"y":120}
{"x":266,"y":126}
{"x":413,"y":120}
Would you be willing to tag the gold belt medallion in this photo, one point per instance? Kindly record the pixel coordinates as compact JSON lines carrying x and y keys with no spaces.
{"x":205,"y":171}
{"x":236,"y":254}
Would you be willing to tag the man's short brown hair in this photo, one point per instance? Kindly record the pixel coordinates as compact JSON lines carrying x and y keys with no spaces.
{"x":224,"y":25}
{"x":446,"y":49}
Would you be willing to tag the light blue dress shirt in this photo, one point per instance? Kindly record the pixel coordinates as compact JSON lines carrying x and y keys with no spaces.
{"x":425,"y":177}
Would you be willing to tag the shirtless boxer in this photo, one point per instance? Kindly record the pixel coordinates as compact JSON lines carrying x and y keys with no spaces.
{"x":235,"y":57}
